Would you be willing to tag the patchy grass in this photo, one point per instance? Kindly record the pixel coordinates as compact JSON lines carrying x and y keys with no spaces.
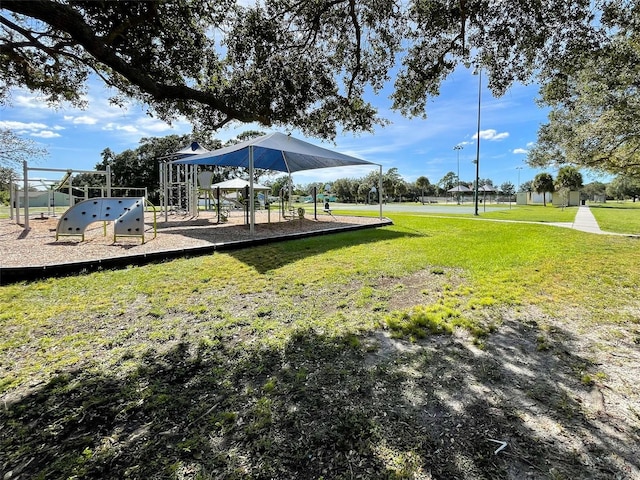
{"x":343,"y":356}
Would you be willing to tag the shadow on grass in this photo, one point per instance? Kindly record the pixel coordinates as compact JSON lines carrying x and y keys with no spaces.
{"x":281,"y":254}
{"x":321,"y":407}
{"x":223,"y":233}
{"x":615,"y":205}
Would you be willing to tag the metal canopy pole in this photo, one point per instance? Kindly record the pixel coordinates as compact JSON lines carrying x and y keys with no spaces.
{"x":380,"y":191}
{"x":25,"y":177}
{"x":252,"y":213}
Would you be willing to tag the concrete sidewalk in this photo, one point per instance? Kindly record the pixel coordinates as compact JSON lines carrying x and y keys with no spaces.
{"x":586,"y":222}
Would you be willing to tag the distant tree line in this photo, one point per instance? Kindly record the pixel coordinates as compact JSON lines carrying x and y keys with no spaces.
{"x":139,"y":168}
{"x":569,"y":178}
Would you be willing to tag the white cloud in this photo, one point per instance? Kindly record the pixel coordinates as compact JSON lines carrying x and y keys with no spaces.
{"x":45,"y":134}
{"x":147,"y":124}
{"x":81,"y":120}
{"x":500,"y":136}
{"x":120,"y":128}
{"x":491,"y":135}
{"x":22,"y":126}
{"x":32,"y":129}
{"x":520,"y":151}
{"x":30,"y":101}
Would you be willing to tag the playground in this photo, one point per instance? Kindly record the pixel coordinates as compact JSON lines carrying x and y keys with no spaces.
{"x":79,"y":240}
{"x":36,"y":252}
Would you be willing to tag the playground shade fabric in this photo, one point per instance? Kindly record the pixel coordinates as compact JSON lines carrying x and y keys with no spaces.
{"x":237,"y":184}
{"x":275,"y":151}
{"x":460,"y":188}
{"x":194,"y":149}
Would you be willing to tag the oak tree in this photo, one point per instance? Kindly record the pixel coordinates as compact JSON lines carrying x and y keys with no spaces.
{"x":305,"y":64}
{"x":594,"y":120}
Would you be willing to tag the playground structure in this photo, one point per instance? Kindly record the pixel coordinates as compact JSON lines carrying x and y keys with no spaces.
{"x":179,"y":183}
{"x":178,"y":189}
{"x":127,"y":213}
{"x":14,"y":201}
{"x":181,"y":187}
{"x":183,"y":182}
{"x":184,"y":188}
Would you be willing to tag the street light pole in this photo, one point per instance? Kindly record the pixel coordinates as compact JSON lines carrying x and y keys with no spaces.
{"x":458,"y":148}
{"x":478,"y":143}
{"x":518,"y":188}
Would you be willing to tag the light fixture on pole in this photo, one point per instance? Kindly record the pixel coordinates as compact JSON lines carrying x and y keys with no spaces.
{"x":518,"y":187}
{"x":458,"y":148}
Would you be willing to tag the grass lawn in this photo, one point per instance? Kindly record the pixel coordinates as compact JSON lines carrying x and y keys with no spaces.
{"x":618,"y":217}
{"x":534,"y":213}
{"x":523,"y":213}
{"x":401,"y":352}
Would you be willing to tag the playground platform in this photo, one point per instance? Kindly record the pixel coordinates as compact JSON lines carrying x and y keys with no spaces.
{"x":35,"y":254}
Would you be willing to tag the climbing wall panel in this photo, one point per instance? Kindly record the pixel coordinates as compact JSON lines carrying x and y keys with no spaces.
{"x":131,"y":221}
{"x":126,"y":213}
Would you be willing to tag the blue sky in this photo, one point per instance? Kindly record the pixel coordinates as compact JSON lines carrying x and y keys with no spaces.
{"x":75,"y":138}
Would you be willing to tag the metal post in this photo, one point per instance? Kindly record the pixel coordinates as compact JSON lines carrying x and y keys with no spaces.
{"x":458,"y":148}
{"x":314,"y":193}
{"x":290,"y":191}
{"x":252,"y":222}
{"x":11,"y":198}
{"x":108,"y":180}
{"x":70,"y":180}
{"x":193,"y":190}
{"x":380,"y":191}
{"x":165,"y":173}
{"x":218,"y":202}
{"x":14,"y":202}
{"x":478,"y":145}
{"x":518,"y":187}
{"x":180,"y":179}
{"x":25,"y":177}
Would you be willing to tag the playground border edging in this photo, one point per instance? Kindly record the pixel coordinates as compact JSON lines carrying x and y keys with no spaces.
{"x":10,"y":275}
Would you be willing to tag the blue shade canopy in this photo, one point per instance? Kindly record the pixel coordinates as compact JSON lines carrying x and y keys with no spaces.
{"x":274,"y":151}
